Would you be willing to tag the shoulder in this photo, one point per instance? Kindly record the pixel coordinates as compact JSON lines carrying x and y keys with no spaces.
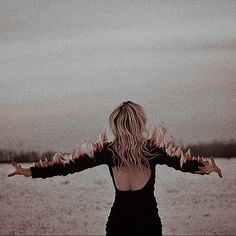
{"x":150,"y":146}
{"x":107,"y":153}
{"x":153,"y":153}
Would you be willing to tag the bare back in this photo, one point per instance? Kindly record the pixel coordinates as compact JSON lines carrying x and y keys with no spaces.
{"x":127,"y":180}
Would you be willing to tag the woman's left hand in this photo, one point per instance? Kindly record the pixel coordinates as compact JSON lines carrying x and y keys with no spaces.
{"x":209,"y":166}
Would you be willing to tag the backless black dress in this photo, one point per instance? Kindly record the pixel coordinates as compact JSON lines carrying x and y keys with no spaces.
{"x":132,"y":212}
{"x":135,"y":212}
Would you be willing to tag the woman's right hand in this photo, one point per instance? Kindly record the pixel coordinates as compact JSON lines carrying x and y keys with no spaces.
{"x":20,"y":170}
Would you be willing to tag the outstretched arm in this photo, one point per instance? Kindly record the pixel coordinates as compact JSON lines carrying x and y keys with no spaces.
{"x":59,"y":166}
{"x":176,"y":158}
{"x":173,"y":156}
{"x":79,"y":161}
{"x":82,"y":159}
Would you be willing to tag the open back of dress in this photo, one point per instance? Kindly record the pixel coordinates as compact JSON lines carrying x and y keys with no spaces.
{"x":131,"y":180}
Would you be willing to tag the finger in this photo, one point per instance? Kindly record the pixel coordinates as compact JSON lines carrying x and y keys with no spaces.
{"x":14,"y":164}
{"x":12,"y":174}
{"x":219,"y":172}
{"x":212,"y":160}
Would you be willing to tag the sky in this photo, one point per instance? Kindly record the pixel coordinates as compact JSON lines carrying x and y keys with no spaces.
{"x":65,"y":65}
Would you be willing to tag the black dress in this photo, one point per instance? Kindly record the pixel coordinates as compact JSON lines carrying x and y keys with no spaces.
{"x":133,"y":212}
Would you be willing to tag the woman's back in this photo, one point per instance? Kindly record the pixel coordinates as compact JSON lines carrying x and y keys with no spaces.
{"x":131,"y":180}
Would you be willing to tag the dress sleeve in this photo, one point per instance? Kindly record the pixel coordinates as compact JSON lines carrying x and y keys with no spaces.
{"x":177,"y":160}
{"x":78,"y":163}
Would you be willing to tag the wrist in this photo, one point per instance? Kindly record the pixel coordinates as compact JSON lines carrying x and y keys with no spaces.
{"x":27,"y":172}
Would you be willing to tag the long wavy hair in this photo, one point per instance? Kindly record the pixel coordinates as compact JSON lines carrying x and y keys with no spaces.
{"x":128,"y":125}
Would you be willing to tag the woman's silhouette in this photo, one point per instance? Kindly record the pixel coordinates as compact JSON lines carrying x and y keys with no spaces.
{"x":131,"y":158}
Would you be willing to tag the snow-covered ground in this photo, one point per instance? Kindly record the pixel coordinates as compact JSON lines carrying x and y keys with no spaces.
{"x":80,"y":203}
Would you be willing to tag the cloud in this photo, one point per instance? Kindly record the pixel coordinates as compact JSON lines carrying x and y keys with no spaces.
{"x":63,"y":61}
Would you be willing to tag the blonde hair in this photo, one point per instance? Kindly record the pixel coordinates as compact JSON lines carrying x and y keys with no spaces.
{"x":128,"y":125}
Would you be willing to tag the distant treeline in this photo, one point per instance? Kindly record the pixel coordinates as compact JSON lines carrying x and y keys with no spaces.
{"x":215,"y":148}
{"x":23,"y":156}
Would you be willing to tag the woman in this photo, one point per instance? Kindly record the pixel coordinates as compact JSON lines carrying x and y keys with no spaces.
{"x":131,"y":158}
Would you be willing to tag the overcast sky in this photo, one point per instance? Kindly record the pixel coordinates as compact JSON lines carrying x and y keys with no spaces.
{"x":65,"y":65}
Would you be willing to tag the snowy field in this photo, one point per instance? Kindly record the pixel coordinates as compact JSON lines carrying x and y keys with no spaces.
{"x":80,"y":203}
